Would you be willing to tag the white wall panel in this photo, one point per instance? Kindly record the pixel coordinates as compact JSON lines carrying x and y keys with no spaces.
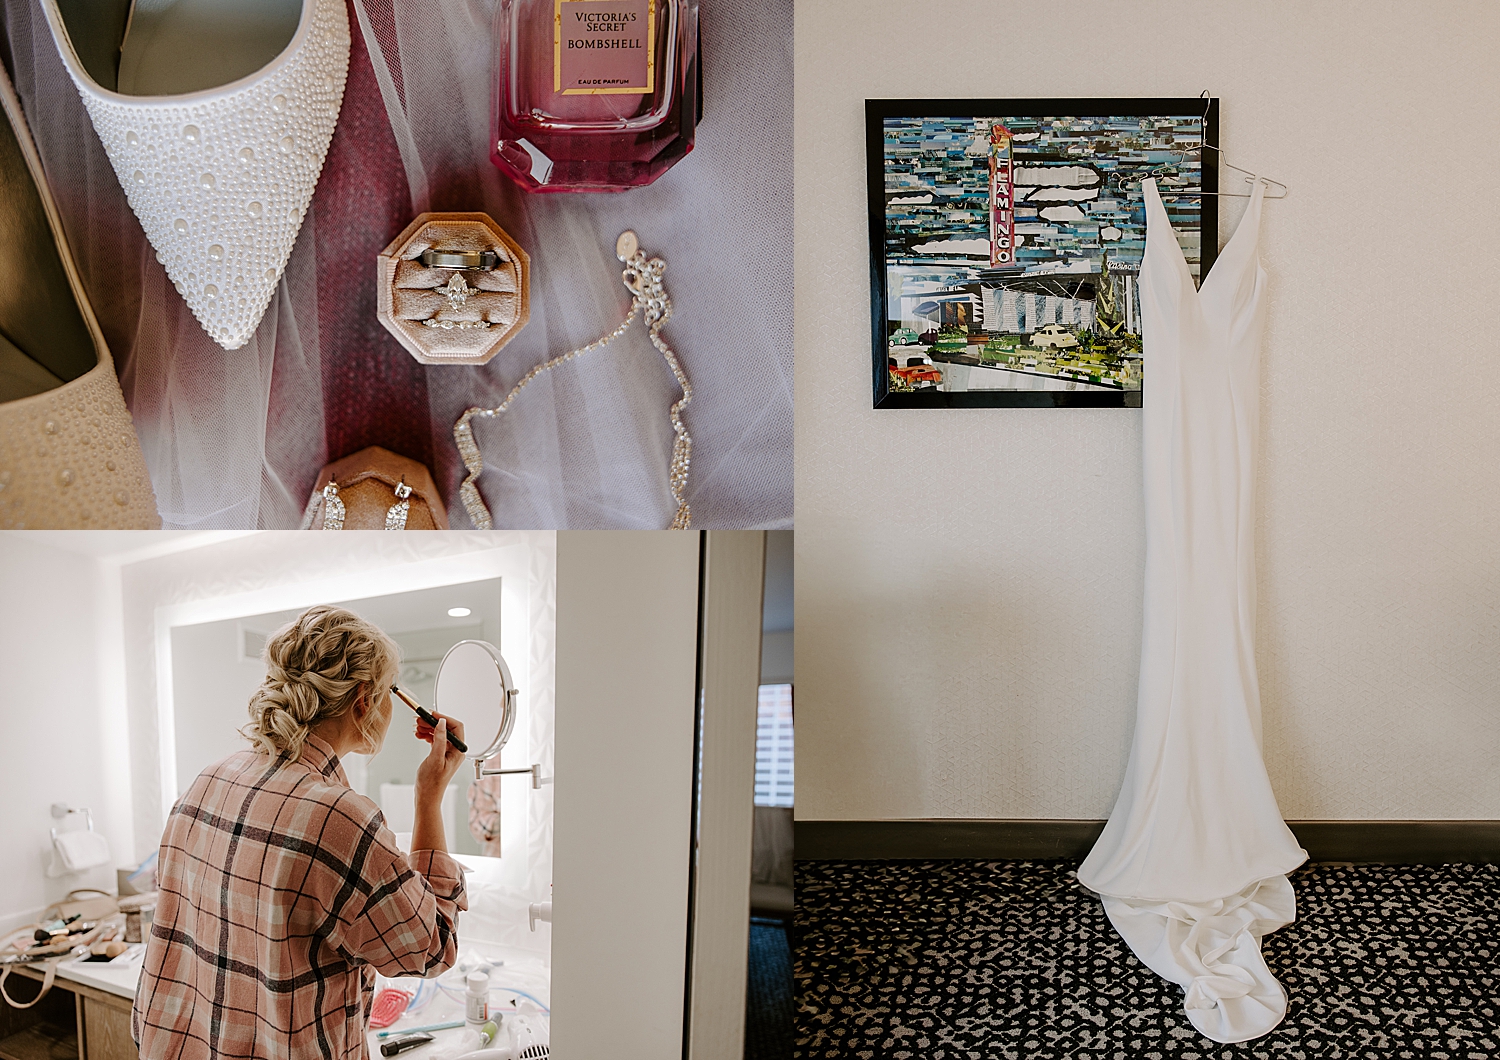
{"x":627,"y":653}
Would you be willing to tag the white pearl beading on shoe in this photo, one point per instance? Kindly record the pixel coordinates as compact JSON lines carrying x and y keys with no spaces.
{"x":221,"y":179}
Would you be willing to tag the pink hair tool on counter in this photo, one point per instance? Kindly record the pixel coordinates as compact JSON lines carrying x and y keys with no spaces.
{"x":388,"y":1007}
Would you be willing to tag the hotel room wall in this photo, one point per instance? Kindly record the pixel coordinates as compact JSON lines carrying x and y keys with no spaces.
{"x":211,"y":690}
{"x":62,"y":722}
{"x":627,"y":637}
{"x":969,"y":581}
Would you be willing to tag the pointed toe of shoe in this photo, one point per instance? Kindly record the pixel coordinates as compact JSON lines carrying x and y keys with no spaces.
{"x":221,"y":179}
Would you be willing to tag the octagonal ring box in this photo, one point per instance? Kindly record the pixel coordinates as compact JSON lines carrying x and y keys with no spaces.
{"x":367,"y":486}
{"x":409,"y":293}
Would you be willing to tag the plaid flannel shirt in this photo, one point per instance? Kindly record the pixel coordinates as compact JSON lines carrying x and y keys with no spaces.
{"x":282,"y":893}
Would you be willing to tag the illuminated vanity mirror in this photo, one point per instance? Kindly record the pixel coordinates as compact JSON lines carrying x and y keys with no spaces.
{"x":449,"y":663}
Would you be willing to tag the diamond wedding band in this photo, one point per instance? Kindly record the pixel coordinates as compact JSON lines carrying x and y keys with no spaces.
{"x":482,"y":260}
{"x":457,"y":325}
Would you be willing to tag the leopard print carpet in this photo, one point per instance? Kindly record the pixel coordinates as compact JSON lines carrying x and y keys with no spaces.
{"x":984,"y":960}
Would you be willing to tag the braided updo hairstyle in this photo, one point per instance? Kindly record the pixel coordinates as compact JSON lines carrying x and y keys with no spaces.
{"x":315,"y":669}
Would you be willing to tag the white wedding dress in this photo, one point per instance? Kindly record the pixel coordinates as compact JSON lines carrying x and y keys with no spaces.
{"x":1192,"y":864}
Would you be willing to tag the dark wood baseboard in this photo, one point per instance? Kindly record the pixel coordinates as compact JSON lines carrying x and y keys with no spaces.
{"x":1358,"y":842}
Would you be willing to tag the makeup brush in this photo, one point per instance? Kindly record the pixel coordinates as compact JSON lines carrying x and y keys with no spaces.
{"x":430,"y":719}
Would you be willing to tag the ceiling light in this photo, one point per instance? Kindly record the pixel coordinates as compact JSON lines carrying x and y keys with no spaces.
{"x":459,"y":612}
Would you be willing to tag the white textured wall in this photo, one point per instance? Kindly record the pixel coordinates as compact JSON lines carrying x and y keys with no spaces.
{"x":969,"y":594}
{"x":62,"y":722}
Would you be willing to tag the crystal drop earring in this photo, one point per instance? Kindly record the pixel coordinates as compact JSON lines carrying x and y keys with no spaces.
{"x":333,"y":508}
{"x":395,"y":519}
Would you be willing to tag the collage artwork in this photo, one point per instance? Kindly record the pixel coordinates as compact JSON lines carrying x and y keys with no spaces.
{"x":1012,"y":244}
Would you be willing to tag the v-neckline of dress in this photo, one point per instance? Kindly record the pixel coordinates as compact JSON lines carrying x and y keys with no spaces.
{"x":1250,"y":220}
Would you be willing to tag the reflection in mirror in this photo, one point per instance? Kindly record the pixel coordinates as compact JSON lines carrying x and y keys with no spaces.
{"x":217,"y":665}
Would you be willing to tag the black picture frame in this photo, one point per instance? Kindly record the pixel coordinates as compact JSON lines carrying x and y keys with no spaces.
{"x":879,"y":111}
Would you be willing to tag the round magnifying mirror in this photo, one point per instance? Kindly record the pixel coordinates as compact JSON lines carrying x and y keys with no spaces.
{"x":474,"y":686}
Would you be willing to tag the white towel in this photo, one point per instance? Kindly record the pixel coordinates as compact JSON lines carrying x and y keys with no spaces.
{"x":81,"y":850}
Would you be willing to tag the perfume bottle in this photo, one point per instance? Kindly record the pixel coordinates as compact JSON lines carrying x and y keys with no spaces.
{"x":594,"y":95}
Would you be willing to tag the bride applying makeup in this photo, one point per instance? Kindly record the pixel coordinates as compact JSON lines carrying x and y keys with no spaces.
{"x":282,"y":891}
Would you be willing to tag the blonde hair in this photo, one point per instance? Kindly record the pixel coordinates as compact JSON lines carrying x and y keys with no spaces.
{"x":315,"y":669}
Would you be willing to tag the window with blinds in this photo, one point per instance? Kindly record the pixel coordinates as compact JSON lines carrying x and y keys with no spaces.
{"x":773,"y":747}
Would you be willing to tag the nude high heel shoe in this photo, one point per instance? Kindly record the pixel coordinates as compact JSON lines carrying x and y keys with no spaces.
{"x":69,"y":457}
{"x":216,"y":115}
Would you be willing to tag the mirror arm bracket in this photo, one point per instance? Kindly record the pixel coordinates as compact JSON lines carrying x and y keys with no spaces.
{"x":535,"y":770}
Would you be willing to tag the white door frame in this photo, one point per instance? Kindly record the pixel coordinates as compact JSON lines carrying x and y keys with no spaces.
{"x":658,"y":665}
{"x":627,"y":634}
{"x":719,"y":892}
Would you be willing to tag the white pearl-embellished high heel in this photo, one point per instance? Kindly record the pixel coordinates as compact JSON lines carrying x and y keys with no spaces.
{"x":69,"y":455}
{"x":219,"y":173}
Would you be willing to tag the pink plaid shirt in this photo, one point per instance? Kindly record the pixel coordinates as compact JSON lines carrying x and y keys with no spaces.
{"x":282,"y":893}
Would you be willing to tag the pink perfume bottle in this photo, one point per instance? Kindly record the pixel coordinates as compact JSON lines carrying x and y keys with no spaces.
{"x":594,"y":95}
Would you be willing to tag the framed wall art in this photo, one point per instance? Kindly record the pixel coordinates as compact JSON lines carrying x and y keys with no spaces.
{"x":1006,"y":238}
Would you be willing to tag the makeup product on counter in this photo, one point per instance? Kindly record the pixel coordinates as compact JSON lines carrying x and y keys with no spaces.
{"x":402,"y":1044}
{"x":427,"y":1027}
{"x":453,"y":288}
{"x":594,"y":95}
{"x":138,"y":910}
{"x":477,"y":999}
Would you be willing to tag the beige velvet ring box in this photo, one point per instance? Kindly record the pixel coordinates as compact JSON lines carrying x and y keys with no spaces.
{"x":491,"y":308}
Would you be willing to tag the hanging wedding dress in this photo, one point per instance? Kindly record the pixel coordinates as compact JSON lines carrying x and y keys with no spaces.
{"x":1192,"y":864}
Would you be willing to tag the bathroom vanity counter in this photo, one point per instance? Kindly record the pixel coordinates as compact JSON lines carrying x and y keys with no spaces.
{"x":108,"y":977}
{"x":87,"y":1013}
{"x":516,"y":976}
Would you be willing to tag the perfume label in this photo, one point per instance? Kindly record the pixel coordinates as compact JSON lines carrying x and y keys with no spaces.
{"x":605,"y":47}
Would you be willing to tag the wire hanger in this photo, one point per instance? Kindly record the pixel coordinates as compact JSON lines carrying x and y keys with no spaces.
{"x":1250,"y":177}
